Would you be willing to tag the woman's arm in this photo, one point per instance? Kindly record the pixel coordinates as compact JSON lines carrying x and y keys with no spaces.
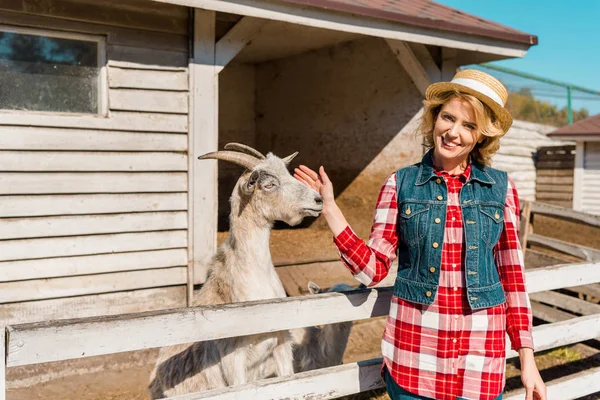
{"x":511,"y":268}
{"x":369,"y":263}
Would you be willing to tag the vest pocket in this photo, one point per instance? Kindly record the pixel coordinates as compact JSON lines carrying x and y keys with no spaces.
{"x":492,"y":223}
{"x":414,"y":218}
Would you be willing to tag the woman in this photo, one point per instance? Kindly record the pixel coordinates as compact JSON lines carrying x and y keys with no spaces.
{"x":452,"y":221}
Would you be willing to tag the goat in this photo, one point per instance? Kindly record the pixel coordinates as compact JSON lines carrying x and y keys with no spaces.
{"x":316,"y":347}
{"x":241,"y":270}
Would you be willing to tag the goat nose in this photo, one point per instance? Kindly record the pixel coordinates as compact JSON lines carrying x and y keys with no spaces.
{"x":319,"y":199}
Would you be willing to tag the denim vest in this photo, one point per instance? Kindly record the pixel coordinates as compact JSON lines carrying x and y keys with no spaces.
{"x":422,"y":201}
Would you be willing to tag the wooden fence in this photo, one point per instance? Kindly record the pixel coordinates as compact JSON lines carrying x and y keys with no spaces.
{"x":554,"y":180}
{"x":61,"y":340}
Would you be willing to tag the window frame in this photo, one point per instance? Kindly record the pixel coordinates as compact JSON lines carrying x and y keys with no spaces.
{"x":101,"y":59}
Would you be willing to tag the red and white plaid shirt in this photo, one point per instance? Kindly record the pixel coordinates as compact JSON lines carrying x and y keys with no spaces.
{"x":446,"y":350}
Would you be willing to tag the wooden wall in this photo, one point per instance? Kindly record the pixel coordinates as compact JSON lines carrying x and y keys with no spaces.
{"x":554,"y":181}
{"x":96,"y":206}
{"x":590,"y":195}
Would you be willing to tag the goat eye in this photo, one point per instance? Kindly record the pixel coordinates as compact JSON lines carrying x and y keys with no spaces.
{"x":269,"y":186}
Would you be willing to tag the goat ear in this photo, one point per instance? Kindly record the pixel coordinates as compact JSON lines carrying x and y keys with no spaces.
{"x":250,"y":184}
{"x":289,"y":158}
{"x":313,"y":288}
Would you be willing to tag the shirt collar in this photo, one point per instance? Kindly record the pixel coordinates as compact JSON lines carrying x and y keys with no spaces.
{"x":473,"y":172}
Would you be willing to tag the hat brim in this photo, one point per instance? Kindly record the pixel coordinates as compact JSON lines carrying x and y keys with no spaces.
{"x":502,"y":115}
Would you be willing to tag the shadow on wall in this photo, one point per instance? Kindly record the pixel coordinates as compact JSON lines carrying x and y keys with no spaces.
{"x":340,"y":107}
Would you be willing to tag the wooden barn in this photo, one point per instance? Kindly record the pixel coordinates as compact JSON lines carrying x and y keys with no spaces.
{"x":105,"y":107}
{"x":586,"y":135}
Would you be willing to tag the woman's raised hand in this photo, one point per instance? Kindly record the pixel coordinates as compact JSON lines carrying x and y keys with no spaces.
{"x":320,"y":182}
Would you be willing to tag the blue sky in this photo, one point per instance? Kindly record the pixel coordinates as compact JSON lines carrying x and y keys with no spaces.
{"x":568,"y":34}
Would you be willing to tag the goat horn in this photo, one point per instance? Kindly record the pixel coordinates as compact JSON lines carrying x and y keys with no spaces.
{"x":289,"y":158}
{"x":245,"y":149}
{"x":244,"y":160}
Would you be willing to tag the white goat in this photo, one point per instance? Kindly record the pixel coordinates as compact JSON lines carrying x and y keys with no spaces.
{"x":241,"y":270}
{"x":320,"y":347}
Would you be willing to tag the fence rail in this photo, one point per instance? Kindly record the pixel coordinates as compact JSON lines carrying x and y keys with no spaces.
{"x":60,"y":340}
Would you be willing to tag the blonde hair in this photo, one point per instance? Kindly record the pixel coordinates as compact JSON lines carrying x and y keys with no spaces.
{"x":485,"y":119}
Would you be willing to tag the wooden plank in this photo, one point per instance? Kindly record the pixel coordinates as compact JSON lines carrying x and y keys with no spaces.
{"x":93,"y":305}
{"x":554,"y":172}
{"x":555,"y":188}
{"x":345,"y":22}
{"x":321,"y":384}
{"x":549,"y":314}
{"x":114,"y":35}
{"x":147,"y":56}
{"x":554,"y":195}
{"x":572,"y":386}
{"x":552,"y":180}
{"x":566,"y":302}
{"x":52,"y":288}
{"x":583,"y":252}
{"x":449,"y":62}
{"x":525,"y":226}
{"x":565,"y":213}
{"x":91,"y":182}
{"x":46,"y":205}
{"x":38,"y":227}
{"x":91,"y":161}
{"x":564,"y":164}
{"x":3,"y":340}
{"x":591,"y":290}
{"x":95,"y":12}
{"x":34,"y":138}
{"x":118,"y":120}
{"x":562,"y":276}
{"x":145,"y":67}
{"x":107,"y":335}
{"x":27,"y":249}
{"x":537,"y":259}
{"x":203,"y":138}
{"x":148,"y":101}
{"x":426,"y":60}
{"x":85,"y":265}
{"x":124,"y":78}
{"x":411,"y":64}
{"x":238,"y":37}
{"x":116,"y":334}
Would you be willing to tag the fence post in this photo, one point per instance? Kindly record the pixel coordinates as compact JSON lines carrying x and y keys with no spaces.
{"x":525,"y":228}
{"x":3,"y":364}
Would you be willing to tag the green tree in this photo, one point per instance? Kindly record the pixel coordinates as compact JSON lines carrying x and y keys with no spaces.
{"x":524,"y":106}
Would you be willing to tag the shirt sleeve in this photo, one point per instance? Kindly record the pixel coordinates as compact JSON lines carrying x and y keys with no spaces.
{"x":511,"y":268}
{"x":370,"y":262}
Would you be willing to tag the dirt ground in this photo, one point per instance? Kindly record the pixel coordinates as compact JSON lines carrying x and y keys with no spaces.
{"x":111,"y":378}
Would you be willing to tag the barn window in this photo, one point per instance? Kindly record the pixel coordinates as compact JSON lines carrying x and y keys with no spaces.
{"x":51,"y":72}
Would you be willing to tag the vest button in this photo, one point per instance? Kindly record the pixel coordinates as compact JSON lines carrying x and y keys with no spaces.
{"x":432,"y":269}
{"x":428,"y":294}
{"x":438,"y":181}
{"x":435,"y":245}
{"x":437,"y":220}
{"x":440,"y":198}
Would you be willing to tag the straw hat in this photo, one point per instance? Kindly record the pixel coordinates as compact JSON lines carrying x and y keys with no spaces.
{"x":483,"y":86}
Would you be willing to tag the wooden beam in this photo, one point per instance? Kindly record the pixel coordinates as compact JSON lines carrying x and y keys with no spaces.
{"x":562,"y":276}
{"x":302,"y":14}
{"x":326,"y":383}
{"x":572,"y":386}
{"x":567,"y":302}
{"x":525,"y":227}
{"x":449,"y":64}
{"x":3,"y":340}
{"x":583,"y":252}
{"x":578,"y":171}
{"x":565,"y":213}
{"x":411,"y":64}
{"x":429,"y":64}
{"x":203,"y":138}
{"x":236,"y":39}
